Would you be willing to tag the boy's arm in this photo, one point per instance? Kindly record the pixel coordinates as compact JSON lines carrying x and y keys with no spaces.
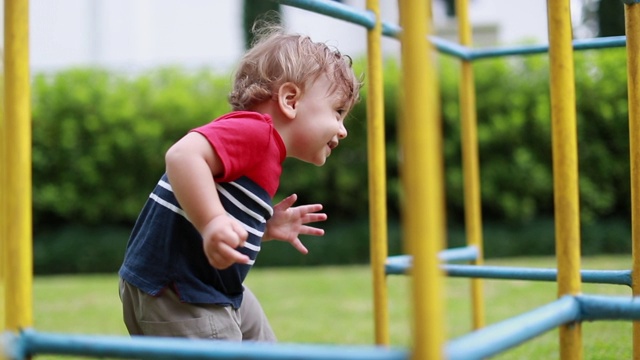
{"x":191,"y":164}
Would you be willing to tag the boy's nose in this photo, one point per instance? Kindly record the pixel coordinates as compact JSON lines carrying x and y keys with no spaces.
{"x":342,"y":132}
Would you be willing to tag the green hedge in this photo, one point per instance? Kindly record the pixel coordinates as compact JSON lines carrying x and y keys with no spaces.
{"x":99,"y":139}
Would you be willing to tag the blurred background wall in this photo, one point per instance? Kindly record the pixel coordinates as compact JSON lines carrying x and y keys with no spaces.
{"x":134,"y":34}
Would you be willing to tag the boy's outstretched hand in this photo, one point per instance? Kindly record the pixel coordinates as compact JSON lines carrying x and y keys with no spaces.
{"x":287,"y":222}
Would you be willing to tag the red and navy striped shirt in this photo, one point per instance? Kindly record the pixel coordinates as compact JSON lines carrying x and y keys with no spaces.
{"x":165,"y":249}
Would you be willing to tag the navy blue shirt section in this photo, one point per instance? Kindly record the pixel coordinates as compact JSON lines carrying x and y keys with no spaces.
{"x":165,"y":249}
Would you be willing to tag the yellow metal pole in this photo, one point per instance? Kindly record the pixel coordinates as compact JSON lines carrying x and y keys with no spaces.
{"x":377,"y":177}
{"x":470,"y":161}
{"x":565,"y":166}
{"x":632,"y":24}
{"x":422,"y":179}
{"x":3,"y":202}
{"x":18,"y":289}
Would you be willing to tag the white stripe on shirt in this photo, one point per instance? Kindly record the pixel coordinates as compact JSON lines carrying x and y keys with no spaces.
{"x":240,"y":205}
{"x":226,"y":194}
{"x":253,"y":197}
{"x":165,"y":185}
{"x":168,"y":205}
{"x":252,"y":247}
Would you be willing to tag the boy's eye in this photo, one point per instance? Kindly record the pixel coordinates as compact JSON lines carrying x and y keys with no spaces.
{"x":340,"y":112}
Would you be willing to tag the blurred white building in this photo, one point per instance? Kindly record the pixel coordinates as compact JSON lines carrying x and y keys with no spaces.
{"x":137,"y":34}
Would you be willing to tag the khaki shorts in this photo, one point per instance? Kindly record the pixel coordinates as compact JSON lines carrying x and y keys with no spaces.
{"x":166,"y":315}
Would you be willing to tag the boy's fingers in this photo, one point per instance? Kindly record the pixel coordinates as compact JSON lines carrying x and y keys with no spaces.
{"x":310,"y":230}
{"x":297,"y":244}
{"x":314,"y":217}
{"x":226,"y":256}
{"x":288,"y":201}
{"x":313,"y":208}
{"x":235,"y":256}
{"x":241,"y":234}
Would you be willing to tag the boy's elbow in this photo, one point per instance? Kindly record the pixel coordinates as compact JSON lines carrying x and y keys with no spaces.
{"x":181,"y":149}
{"x":175,"y":155}
{"x":171,"y":155}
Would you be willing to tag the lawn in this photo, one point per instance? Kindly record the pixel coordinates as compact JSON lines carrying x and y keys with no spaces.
{"x":333,"y":305}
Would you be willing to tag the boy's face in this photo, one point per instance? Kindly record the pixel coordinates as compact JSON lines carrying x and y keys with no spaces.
{"x":319,"y":123}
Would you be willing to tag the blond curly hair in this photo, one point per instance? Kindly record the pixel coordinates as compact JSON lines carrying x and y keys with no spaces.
{"x":277,"y":58}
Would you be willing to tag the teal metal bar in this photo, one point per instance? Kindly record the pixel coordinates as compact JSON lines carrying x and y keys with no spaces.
{"x":452,"y":48}
{"x":616,"y":277}
{"x":585,"y":44}
{"x":344,"y":12}
{"x":367,"y":19}
{"x":9,"y":348}
{"x":465,"y":53}
{"x":508,"y":51}
{"x":480,"y":344}
{"x":499,"y":337}
{"x":598,"y":307}
{"x":334,"y":9}
{"x":466,"y":253}
{"x":30,"y":343}
{"x":397,"y":265}
{"x":391,"y":30}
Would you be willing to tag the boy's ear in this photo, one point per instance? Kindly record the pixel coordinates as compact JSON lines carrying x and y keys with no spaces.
{"x":288,"y":96}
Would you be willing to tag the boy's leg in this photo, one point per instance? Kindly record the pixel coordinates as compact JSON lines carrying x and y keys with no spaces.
{"x":253,"y":321}
{"x":166,"y":315}
{"x":128,"y":299}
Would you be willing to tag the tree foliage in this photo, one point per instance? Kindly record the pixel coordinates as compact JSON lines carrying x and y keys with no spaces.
{"x":99,"y":139}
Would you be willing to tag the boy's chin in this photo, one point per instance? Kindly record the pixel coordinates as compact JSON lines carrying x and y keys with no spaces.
{"x":318,"y":161}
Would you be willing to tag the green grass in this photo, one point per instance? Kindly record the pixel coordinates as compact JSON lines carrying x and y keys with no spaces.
{"x":333,"y":305}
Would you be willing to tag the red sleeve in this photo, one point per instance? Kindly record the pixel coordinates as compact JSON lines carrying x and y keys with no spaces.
{"x":239,"y":140}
